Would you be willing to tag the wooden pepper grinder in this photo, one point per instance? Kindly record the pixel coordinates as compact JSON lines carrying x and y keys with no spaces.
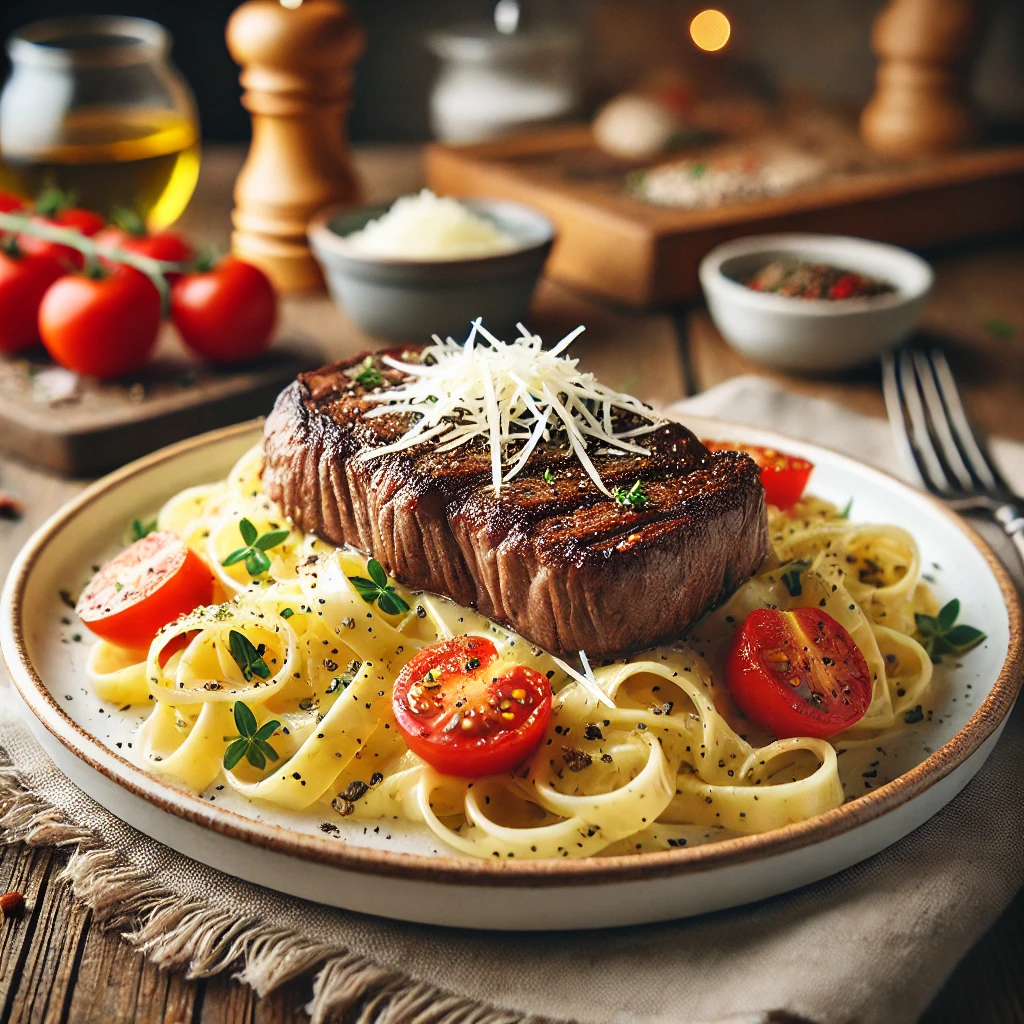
{"x":297,"y":72}
{"x":921,"y":104}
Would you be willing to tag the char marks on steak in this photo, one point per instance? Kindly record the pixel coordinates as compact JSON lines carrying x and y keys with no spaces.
{"x":552,"y":557}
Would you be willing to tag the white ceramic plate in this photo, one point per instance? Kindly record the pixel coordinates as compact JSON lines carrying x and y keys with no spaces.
{"x":399,"y":872}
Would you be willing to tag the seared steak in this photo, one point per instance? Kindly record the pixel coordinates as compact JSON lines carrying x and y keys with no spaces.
{"x":552,"y":557}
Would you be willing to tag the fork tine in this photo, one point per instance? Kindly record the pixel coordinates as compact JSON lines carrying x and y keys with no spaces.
{"x":947,"y":449}
{"x":975,"y":457}
{"x":906,"y":416}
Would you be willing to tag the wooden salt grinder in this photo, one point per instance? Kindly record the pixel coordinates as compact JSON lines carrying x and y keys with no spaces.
{"x":297,"y":73}
{"x":921,"y":104}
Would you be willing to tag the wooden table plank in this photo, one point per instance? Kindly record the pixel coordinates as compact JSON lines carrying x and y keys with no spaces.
{"x":115,"y":985}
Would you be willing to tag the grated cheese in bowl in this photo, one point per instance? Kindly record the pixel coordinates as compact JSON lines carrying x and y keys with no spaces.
{"x":513,"y":395}
{"x":430,"y":227}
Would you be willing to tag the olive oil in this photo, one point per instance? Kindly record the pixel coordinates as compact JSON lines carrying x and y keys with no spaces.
{"x":111,"y":158}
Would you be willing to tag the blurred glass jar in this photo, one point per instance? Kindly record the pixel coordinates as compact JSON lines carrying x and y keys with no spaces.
{"x":94,"y":107}
{"x":492,"y":83}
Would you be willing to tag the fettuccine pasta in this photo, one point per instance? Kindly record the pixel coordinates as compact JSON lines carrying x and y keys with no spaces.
{"x":663,"y":760}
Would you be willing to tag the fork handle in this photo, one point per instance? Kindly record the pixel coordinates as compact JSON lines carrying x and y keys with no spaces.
{"x":1011,"y":519}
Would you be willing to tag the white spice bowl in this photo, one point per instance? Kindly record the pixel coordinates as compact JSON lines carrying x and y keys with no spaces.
{"x":813,"y":335}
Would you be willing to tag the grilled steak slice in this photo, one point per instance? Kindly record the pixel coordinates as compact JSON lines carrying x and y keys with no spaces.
{"x":552,"y":557}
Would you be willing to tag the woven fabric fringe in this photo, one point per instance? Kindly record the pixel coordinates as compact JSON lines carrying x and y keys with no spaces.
{"x":184,"y":935}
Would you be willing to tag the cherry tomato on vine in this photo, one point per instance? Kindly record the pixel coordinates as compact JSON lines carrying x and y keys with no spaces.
{"x":797,"y":673}
{"x":102,"y":326}
{"x":155,"y":581}
{"x":784,"y":476}
{"x":24,"y":281}
{"x":163,"y":245}
{"x":225,"y":314}
{"x":468,"y":713}
{"x":74,"y":218}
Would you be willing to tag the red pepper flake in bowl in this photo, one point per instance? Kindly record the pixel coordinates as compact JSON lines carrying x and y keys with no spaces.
{"x":815,"y":281}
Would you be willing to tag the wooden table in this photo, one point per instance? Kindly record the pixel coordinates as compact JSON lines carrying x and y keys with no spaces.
{"x":57,"y":966}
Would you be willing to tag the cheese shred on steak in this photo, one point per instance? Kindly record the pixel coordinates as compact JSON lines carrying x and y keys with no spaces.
{"x":565,"y":565}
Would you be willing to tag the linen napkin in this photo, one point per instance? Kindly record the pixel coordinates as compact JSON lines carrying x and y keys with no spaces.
{"x":872,"y":944}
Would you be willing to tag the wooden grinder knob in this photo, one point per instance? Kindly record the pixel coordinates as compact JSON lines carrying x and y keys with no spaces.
{"x":921,"y":104}
{"x":297,"y":73}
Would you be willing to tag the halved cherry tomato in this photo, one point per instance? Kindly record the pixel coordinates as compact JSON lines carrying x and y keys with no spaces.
{"x":467,"y":713}
{"x":155,"y":581}
{"x":784,"y":476}
{"x":101,"y":327}
{"x":23,"y":283}
{"x":73,"y":217}
{"x":226,"y":314}
{"x":798,"y":673}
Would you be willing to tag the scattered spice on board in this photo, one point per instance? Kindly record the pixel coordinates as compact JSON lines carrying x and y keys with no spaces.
{"x":804,"y":280}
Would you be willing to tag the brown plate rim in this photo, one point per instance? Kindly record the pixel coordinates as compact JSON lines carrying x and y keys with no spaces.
{"x":444,"y":869}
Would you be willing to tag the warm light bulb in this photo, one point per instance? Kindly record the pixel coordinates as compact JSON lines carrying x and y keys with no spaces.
{"x":710,"y":30}
{"x":292,"y":5}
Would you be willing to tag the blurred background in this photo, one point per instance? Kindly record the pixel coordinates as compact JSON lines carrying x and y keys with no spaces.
{"x":820,"y":45}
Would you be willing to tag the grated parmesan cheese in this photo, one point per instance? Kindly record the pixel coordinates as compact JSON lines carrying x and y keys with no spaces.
{"x":512,"y":395}
{"x":430,"y":227}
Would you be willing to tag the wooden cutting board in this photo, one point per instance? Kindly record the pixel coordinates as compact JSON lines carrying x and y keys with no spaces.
{"x":639,"y":254}
{"x":84,"y":427}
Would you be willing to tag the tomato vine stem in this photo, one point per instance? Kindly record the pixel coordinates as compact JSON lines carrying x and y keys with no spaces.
{"x":155,"y":270}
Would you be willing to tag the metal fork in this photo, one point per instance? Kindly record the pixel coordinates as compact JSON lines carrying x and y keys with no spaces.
{"x":929,"y":423}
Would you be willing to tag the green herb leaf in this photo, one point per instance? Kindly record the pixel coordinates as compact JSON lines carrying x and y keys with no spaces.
{"x":245,"y":720}
{"x":235,"y":752}
{"x":963,"y":638}
{"x":791,"y":577}
{"x":390,"y":603}
{"x":256,"y":561}
{"x":236,"y":556}
{"x":378,"y":591}
{"x":845,"y":514}
{"x":548,"y":477}
{"x":248,"y":531}
{"x":367,"y":589}
{"x":255,"y":757}
{"x":377,"y":573}
{"x":266,"y":730}
{"x":634,"y":498}
{"x":940,"y":635}
{"x":286,"y":613}
{"x":948,"y":615}
{"x":250,"y":660}
{"x":268,"y":751}
{"x":142,"y":528}
{"x":271,"y":539}
{"x":369,"y":376}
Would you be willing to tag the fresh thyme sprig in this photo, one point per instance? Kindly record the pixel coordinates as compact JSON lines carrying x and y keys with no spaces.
{"x":634,"y":498}
{"x":939,"y":634}
{"x":256,"y":546}
{"x":252,"y":742}
{"x":247,"y":657}
{"x":377,"y":589}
